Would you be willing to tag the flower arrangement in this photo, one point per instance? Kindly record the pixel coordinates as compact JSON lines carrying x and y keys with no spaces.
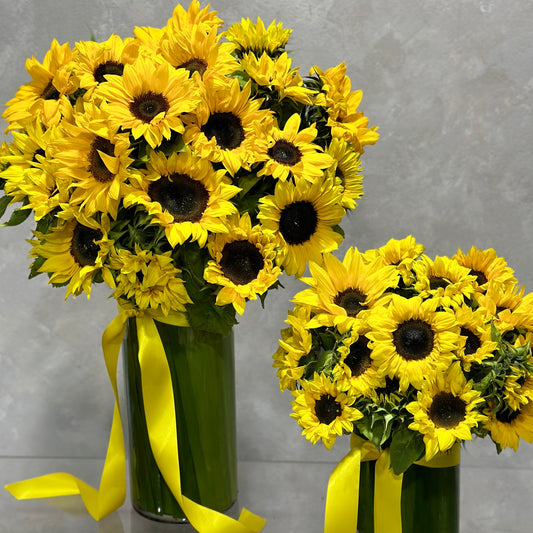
{"x":184,"y":167}
{"x":410,"y":353}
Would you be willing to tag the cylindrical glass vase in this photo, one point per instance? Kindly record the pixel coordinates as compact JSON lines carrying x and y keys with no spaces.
{"x":430,"y":499}
{"x":202,"y":369}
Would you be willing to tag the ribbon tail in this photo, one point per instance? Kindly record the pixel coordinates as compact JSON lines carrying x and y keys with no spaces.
{"x":158,"y":398}
{"x":342,"y":499}
{"x":387,"y":497}
{"x":112,"y":491}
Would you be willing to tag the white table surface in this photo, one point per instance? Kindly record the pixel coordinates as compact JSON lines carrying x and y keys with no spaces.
{"x":291,"y":496}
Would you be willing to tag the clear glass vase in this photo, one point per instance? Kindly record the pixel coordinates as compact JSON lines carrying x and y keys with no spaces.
{"x":202,"y":369}
{"x":430,"y":499}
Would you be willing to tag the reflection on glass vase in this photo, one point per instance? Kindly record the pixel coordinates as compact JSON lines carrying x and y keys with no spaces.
{"x":202,"y":369}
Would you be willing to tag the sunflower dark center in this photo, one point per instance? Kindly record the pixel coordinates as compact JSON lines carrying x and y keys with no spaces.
{"x":298,"y":222}
{"x":97,"y":166}
{"x":351,"y":300}
{"x":50,"y":92}
{"x":83,"y":247}
{"x":109,"y":67}
{"x":413,"y":339}
{"x":472,"y":343}
{"x":481,"y":278}
{"x":241,"y":262}
{"x":148,"y":105}
{"x":436,"y":282}
{"x":285,"y":153}
{"x":226,"y":128}
{"x":184,"y":198}
{"x":507,"y":416}
{"x":447,"y":410}
{"x":359,"y":360}
{"x":327,"y":409}
{"x":194,"y":65}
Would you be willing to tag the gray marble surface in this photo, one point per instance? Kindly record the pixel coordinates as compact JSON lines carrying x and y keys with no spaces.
{"x":289,"y":495}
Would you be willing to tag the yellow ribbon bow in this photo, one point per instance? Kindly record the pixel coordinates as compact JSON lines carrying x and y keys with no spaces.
{"x":161,"y":422}
{"x":342,"y":502}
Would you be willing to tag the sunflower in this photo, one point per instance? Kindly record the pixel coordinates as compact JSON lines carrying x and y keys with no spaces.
{"x":45,"y":97}
{"x":295,"y":343}
{"x":346,"y":169}
{"x":96,"y":160}
{"x":401,"y":253}
{"x":254,"y":37}
{"x":75,"y":251}
{"x":222,"y":128}
{"x":445,"y":411}
{"x":98,"y":60}
{"x":500,"y":302}
{"x":44,"y":192}
{"x":276,"y":73}
{"x":198,"y":51}
{"x":28,"y":171}
{"x":522,"y":314}
{"x":518,"y":388}
{"x":185,"y":195}
{"x":181,"y":20}
{"x":342,"y":294}
{"x":508,"y":426}
{"x":345,"y":121}
{"x":149,"y":39}
{"x":289,"y":151}
{"x":486,"y":266}
{"x":148,"y":99}
{"x":205,"y":19}
{"x":304,"y":216}
{"x":444,"y":280}
{"x":323,"y":411}
{"x":410,"y":340}
{"x":150,"y":281}
{"x":243,"y":262}
{"x":356,"y":371}
{"x":476,"y":337}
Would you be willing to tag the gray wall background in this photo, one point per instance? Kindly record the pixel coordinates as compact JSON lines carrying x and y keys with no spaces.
{"x":449,"y":82}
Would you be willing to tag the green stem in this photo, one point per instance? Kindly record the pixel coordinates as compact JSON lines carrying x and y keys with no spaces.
{"x":430,"y":499}
{"x":202,"y":372}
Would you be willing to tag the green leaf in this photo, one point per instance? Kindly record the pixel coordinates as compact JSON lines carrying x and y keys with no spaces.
{"x":246,"y":183}
{"x":44,"y":224}
{"x":4,"y":202}
{"x":17,"y":217}
{"x":407,"y":447}
{"x":364,"y":426}
{"x":35,"y":266}
{"x":324,"y":361}
{"x":211,"y":317}
{"x":327,"y":338}
{"x":339,"y":230}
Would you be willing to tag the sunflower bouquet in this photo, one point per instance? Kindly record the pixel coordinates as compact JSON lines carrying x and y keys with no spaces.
{"x":184,"y":167}
{"x":410,"y":353}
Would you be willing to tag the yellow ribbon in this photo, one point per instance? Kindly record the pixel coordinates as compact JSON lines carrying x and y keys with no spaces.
{"x":342,"y":499}
{"x":112,"y":492}
{"x":161,"y":422}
